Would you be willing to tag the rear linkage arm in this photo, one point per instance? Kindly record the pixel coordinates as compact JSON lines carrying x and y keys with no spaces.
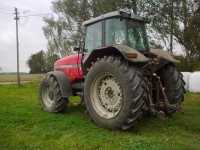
{"x":157,"y":102}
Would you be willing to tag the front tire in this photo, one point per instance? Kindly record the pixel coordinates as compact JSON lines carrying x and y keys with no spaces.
{"x":50,"y":96}
{"x":114,"y":93}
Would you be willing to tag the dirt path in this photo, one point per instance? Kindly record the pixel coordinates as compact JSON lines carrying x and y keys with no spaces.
{"x":8,"y":83}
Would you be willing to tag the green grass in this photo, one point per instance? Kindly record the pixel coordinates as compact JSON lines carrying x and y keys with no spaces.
{"x":24,"y":126}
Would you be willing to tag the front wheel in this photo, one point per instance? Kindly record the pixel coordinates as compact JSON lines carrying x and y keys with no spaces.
{"x":50,"y":96}
{"x":114,"y":93}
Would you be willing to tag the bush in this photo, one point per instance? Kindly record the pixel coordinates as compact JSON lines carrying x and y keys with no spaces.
{"x":188,"y":66}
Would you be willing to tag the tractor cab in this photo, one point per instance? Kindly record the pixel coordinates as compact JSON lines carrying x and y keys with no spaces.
{"x":116,"y":28}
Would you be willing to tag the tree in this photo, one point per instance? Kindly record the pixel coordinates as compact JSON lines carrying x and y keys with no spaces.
{"x":50,"y":59}
{"x":42,"y":62}
{"x":36,"y":62}
{"x":192,"y":35}
{"x":65,"y":29}
{"x":160,"y":12}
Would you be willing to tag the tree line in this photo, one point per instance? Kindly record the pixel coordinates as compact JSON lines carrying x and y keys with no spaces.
{"x":178,"y":19}
{"x":41,"y":62}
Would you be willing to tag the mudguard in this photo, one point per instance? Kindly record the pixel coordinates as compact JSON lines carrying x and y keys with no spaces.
{"x":164,"y":55}
{"x":63,"y":81}
{"x":126,"y":52}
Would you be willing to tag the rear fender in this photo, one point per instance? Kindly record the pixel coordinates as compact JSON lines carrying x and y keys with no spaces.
{"x":123,"y":51}
{"x":63,"y":82}
{"x":164,"y":55}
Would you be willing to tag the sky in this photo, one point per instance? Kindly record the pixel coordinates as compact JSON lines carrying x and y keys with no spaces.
{"x":31,"y":38}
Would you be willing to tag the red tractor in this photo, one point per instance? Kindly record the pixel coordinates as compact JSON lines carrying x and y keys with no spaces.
{"x":116,"y":74}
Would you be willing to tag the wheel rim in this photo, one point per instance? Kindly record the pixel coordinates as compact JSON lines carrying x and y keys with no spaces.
{"x":106,"y":96}
{"x":49,"y":93}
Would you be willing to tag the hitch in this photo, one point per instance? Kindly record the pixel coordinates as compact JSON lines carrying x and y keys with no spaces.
{"x":159,"y":106}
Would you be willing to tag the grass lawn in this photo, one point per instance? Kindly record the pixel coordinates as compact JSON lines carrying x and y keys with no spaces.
{"x":23,"y":125}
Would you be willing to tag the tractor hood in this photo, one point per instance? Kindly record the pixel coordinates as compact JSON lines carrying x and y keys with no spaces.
{"x":68,"y":60}
{"x":69,"y":65}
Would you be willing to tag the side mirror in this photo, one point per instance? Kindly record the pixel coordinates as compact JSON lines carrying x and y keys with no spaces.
{"x":77,"y":49}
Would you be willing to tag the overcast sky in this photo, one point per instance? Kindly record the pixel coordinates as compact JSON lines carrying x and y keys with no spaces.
{"x":30,"y":32}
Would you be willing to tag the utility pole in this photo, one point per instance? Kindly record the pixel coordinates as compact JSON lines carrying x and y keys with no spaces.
{"x":17,"y":41}
{"x":172,"y":26}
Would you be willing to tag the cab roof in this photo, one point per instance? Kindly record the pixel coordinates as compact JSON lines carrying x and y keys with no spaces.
{"x":125,"y":13}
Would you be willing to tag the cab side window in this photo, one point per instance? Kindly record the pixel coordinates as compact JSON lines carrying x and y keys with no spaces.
{"x":93,"y":38}
{"x":115,"y":31}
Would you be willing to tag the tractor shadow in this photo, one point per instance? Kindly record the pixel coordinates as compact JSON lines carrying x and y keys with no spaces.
{"x":75,"y":107}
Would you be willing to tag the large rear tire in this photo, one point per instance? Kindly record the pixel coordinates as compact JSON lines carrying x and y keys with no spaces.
{"x":174,"y":84}
{"x":114,"y":93}
{"x":50,"y":96}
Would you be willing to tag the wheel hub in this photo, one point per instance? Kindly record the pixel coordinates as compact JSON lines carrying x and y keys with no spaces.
{"x":109,"y":93}
{"x":107,"y":96}
{"x":49,"y":93}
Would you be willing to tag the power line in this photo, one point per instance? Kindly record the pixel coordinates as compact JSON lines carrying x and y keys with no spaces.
{"x":10,"y":9}
{"x":5,"y":9}
{"x":3,"y":13}
{"x":36,"y":15}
